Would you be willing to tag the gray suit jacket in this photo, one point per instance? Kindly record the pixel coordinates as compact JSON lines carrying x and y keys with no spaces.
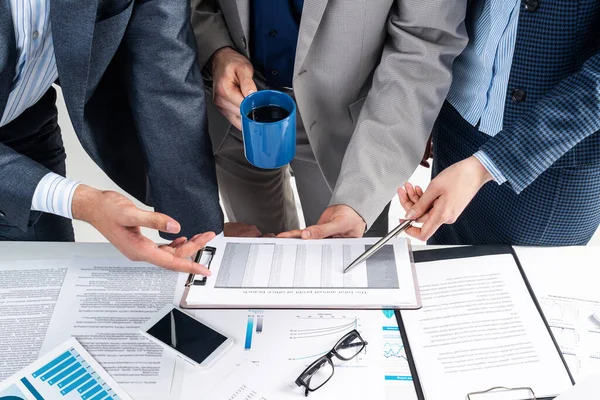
{"x":370,"y":78}
{"x":130,"y":79}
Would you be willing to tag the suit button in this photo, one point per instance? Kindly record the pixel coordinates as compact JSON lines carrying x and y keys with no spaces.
{"x":532,"y":5}
{"x":518,"y":95}
{"x":273,"y":33}
{"x":274,"y":72}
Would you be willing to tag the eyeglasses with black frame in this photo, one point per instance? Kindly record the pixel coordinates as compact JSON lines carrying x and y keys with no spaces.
{"x":320,"y":372}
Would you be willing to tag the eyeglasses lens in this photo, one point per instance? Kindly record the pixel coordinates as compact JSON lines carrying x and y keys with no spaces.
{"x":349,"y":346}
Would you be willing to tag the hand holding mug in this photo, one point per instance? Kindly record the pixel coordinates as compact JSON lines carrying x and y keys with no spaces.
{"x":232,"y":81}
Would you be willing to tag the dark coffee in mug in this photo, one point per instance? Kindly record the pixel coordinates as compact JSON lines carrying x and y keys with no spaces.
{"x":266,"y":114}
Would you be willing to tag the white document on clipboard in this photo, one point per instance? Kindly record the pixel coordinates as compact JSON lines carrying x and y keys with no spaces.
{"x":290,"y":273}
{"x":481,"y":334}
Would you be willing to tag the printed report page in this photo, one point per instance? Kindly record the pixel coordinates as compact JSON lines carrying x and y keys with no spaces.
{"x":291,"y":273}
{"x":479,"y":328}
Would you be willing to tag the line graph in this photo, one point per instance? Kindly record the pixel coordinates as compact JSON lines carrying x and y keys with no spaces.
{"x":567,"y":337}
{"x":339,"y":329}
{"x":394,"y":350}
{"x":312,"y":336}
{"x":560,"y":310}
{"x":393,"y":354}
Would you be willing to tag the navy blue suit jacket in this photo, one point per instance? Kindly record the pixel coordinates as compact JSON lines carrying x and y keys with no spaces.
{"x":133,"y":89}
{"x":557,"y":64}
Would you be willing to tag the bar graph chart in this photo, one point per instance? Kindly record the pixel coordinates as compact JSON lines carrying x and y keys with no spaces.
{"x":70,"y":377}
{"x":254,"y":326}
{"x":249,"y":332}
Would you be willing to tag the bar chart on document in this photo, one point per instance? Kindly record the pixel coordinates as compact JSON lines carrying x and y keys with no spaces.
{"x":68,"y":376}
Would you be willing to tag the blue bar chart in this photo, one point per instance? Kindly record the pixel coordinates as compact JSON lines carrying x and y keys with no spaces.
{"x":254,"y":326}
{"x":249,"y":332}
{"x":70,"y":377}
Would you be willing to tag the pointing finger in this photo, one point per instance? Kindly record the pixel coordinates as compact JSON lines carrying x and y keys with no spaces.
{"x":293,"y":234}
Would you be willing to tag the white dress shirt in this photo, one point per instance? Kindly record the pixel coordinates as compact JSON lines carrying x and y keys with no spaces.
{"x":35,"y":72}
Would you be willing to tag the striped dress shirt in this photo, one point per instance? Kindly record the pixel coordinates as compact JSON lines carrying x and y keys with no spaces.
{"x":35,"y":72}
{"x":481,"y":72}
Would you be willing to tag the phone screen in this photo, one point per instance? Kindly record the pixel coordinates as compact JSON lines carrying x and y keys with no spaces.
{"x":187,"y":335}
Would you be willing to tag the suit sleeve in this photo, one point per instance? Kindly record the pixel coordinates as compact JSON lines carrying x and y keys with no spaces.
{"x":554,"y":125}
{"x":210,"y":29}
{"x":20,"y":177}
{"x":169,"y":110}
{"x":409,"y":88}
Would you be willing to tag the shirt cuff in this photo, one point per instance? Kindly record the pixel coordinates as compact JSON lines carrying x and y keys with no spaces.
{"x":491,"y":167}
{"x":54,"y":195}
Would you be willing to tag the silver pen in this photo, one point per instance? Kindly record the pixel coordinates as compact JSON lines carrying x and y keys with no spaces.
{"x":404,"y":225}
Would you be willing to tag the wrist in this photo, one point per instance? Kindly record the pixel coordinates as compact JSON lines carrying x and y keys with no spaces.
{"x":85,"y":203}
{"x":219,"y":55}
{"x":483,"y":174}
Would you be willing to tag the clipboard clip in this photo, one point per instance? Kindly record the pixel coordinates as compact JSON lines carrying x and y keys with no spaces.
{"x":204,"y":256}
{"x":492,"y":393}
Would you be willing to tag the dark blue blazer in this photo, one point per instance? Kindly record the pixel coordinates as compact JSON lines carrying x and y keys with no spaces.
{"x":133,"y":89}
{"x":552,"y":114}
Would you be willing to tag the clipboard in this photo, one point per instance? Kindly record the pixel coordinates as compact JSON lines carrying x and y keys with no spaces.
{"x":233,"y":260}
{"x":204,"y":257}
{"x":514,"y":393}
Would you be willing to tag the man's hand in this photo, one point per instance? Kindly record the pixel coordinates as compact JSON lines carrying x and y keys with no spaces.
{"x":232,"y":81}
{"x":446,"y":197}
{"x":338,"y":221}
{"x":119,"y":220}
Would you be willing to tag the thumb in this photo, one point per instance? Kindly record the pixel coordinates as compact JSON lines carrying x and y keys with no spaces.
{"x":323,"y":231}
{"x":422,"y":205}
{"x":153,"y":220}
{"x":247,"y":85}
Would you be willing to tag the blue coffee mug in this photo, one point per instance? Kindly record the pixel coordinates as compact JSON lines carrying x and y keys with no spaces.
{"x":269,"y":145}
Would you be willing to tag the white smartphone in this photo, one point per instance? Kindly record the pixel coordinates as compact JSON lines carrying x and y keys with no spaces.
{"x":190,"y":338}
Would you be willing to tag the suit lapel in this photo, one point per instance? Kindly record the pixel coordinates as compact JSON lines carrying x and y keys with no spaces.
{"x":72,"y":31}
{"x":312,"y":13}
{"x":8,"y":54}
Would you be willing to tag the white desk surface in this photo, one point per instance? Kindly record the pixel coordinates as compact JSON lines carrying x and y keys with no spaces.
{"x":552,"y":258}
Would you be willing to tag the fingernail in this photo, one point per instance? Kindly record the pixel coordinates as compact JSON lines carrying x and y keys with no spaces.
{"x":305,"y":234}
{"x":200,"y":270}
{"x":411,"y":214}
{"x":172,"y":227}
{"x":250,"y":92}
